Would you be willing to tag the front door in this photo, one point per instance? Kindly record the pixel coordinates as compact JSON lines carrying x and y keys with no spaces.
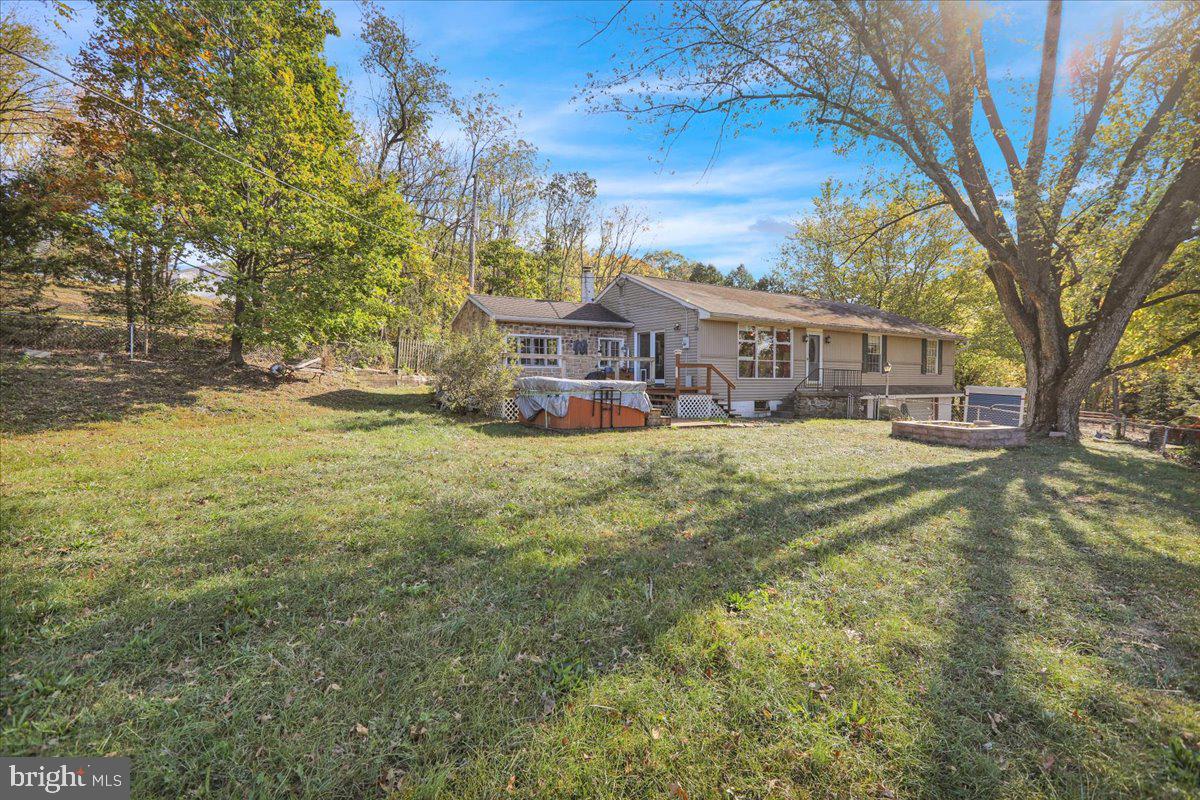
{"x":813,"y":358}
{"x":652,"y":345}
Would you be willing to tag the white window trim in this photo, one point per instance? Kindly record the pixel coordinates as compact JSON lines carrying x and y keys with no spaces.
{"x":621,"y":345}
{"x":878,"y":340}
{"x":649,"y":366}
{"x":622,"y":350}
{"x":820,"y":334}
{"x":527,"y":359}
{"x":791,"y":343}
{"x":932,"y":344}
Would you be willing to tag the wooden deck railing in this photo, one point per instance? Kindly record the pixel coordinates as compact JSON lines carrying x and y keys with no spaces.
{"x":709,"y":369}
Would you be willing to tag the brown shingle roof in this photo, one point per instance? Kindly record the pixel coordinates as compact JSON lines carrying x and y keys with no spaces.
{"x":523,"y":309}
{"x":726,"y":302}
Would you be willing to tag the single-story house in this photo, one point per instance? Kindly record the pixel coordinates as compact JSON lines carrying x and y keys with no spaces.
{"x":755,"y":348}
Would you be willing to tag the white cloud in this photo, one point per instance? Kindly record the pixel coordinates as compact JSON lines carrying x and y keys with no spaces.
{"x":725,"y":233}
{"x":766,"y":171}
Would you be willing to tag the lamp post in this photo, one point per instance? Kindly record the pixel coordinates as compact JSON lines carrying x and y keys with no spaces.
{"x":887,"y":379}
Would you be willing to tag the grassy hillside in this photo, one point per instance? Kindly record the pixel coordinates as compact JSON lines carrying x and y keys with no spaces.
{"x":70,"y":299}
{"x":325,"y":592}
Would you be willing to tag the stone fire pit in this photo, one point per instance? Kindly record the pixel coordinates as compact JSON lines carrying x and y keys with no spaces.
{"x":961,"y":434}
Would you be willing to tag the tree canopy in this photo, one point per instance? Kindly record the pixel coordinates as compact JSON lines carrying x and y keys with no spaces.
{"x":1086,"y":225}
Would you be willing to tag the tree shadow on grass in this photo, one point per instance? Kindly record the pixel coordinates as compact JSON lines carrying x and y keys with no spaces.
{"x":1002,"y":724}
{"x":374,"y":410}
{"x":457,"y":627}
{"x":66,"y":391}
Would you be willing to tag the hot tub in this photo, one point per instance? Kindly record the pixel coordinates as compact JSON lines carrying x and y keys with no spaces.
{"x":961,"y":434}
{"x":564,"y":404}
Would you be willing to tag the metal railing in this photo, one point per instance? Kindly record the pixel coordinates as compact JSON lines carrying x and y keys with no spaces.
{"x":832,"y":378}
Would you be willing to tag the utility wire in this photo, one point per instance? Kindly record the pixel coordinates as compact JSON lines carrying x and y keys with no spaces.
{"x":259,"y":170}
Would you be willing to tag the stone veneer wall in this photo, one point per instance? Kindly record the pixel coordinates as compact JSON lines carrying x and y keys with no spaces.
{"x":577,"y":367}
{"x":809,"y":406}
{"x":960,"y":434}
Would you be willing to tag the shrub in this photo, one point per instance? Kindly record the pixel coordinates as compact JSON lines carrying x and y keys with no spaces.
{"x":1156,"y":400}
{"x":1190,"y":454}
{"x":469,"y":373}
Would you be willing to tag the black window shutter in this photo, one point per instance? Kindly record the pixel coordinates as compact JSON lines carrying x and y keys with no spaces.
{"x":939,"y":356}
{"x":864,"y":364}
{"x":924,"y":353}
{"x":882,"y":352}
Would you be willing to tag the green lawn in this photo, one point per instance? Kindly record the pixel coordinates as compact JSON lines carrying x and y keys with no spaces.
{"x":329,"y":592}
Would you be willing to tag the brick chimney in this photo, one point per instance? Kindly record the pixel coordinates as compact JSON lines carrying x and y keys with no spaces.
{"x":587,"y":287}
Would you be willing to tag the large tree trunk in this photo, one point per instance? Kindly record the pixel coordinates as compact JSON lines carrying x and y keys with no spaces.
{"x":1051,"y":402}
{"x":236,"y":341}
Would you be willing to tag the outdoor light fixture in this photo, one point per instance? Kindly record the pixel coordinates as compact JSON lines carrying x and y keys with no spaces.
{"x":887,"y":379}
{"x":828,"y":338}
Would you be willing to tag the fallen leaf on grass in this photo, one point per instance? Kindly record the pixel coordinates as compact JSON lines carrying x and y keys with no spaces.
{"x":678,"y":791}
{"x":361,"y":729}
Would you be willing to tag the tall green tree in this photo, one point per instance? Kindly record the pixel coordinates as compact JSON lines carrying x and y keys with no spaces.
{"x":870,"y":252}
{"x":740,"y":278}
{"x":1097,"y":210}
{"x":126,"y":174}
{"x":505,"y":268}
{"x":276,"y":194}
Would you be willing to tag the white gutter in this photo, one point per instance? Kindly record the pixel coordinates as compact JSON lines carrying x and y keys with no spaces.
{"x":952,"y":337}
{"x":559,"y":321}
{"x":912,"y":396}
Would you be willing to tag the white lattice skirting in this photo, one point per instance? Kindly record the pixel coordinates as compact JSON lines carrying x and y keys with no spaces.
{"x":508,"y":410}
{"x":696,"y":406}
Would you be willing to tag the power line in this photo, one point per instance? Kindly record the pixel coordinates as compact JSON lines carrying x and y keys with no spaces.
{"x":259,"y":170}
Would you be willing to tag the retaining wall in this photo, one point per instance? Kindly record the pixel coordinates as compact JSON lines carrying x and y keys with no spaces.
{"x":960,"y":434}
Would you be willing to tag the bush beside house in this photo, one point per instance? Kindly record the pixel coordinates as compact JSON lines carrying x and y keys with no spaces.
{"x":470,"y":375}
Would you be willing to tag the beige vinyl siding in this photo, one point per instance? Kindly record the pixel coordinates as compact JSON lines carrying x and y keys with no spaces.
{"x":650,"y":311}
{"x":718,"y":345}
{"x":904,"y":354}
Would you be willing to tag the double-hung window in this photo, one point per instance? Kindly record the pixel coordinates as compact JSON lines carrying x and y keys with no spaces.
{"x":610,"y":352}
{"x":764,"y":352}
{"x":873,"y":361}
{"x":931,"y":356}
{"x":532,"y":351}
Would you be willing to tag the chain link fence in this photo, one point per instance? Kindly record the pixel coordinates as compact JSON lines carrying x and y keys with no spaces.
{"x":45,"y":332}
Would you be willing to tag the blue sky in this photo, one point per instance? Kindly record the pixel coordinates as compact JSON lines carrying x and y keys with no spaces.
{"x":739,"y":209}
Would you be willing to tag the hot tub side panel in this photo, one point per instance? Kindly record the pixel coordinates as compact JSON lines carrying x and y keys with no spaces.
{"x":585,"y":414}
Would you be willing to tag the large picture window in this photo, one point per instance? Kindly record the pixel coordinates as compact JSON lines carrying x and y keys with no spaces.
{"x":534,"y":349}
{"x":874,"y":355}
{"x":764,"y":352}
